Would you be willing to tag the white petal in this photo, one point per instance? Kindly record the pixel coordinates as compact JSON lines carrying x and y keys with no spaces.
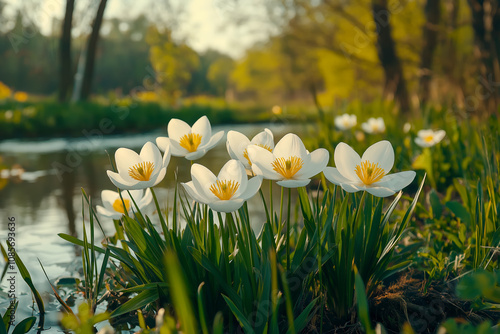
{"x":230,"y":151}
{"x":439,"y":135}
{"x":135,"y":194}
{"x":253,"y":186}
{"x":262,"y":161}
{"x":381,"y":153}
{"x":346,"y":160}
{"x":397,"y":181}
{"x":150,"y":152}
{"x":290,"y":145}
{"x":196,"y":154}
{"x":380,"y":191}
{"x":234,"y":170}
{"x":317,"y":163}
{"x":351,"y":187}
{"x":119,"y":182}
{"x":166,"y":156}
{"x":333,"y":175}
{"x":263,"y":138}
{"x":177,"y":128}
{"x":175,"y":148}
{"x":422,"y":143}
{"x":425,"y":133}
{"x":108,"y":197}
{"x":124,"y":159}
{"x":214,"y":140}
{"x":158,"y":178}
{"x":203,"y":128}
{"x":162,"y":143}
{"x":108,"y":214}
{"x":237,"y":143}
{"x":146,"y":200}
{"x":293,"y":183}
{"x":193,"y":192}
{"x":226,"y":206}
{"x":203,"y":178}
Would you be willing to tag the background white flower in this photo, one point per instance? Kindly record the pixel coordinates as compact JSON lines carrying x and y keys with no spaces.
{"x":237,"y":144}
{"x":289,"y":163}
{"x":189,"y":142}
{"x":428,"y":138}
{"x":346,"y":121}
{"x":113,"y":207}
{"x":139,"y":171}
{"x":225,"y":193}
{"x":368,"y":172}
{"x":374,"y":125}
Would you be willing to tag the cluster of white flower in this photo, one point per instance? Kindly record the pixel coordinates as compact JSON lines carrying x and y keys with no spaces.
{"x":288,"y":163}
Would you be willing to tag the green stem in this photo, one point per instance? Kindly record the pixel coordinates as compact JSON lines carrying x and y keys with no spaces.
{"x":320,"y":248}
{"x":271,"y":204}
{"x":158,"y":209}
{"x":288,"y":229}
{"x":280,"y":225}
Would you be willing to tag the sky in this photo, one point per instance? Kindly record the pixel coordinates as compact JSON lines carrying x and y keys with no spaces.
{"x":203,"y":24}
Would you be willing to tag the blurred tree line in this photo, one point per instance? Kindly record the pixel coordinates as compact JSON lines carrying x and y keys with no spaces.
{"x":415,"y":52}
{"x":130,"y":56}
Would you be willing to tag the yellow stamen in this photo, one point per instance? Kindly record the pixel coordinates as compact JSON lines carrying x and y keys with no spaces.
{"x":141,"y":171}
{"x":245,"y":152}
{"x":429,"y":138}
{"x":190,"y":142}
{"x":288,"y":167}
{"x":224,"y":190}
{"x":118,"y":205}
{"x":369,"y":172}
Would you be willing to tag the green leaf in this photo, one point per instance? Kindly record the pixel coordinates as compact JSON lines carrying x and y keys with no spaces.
{"x":436,"y":206}
{"x":24,"y":326}
{"x":460,"y":211}
{"x":362,"y":302}
{"x":239,"y":315}
{"x":180,"y":295}
{"x":138,"y":302}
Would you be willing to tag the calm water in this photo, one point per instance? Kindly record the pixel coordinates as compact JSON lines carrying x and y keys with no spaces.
{"x":48,"y":200}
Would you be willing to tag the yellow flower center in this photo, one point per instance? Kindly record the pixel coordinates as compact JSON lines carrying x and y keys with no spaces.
{"x":245,"y":153}
{"x":190,"y":142}
{"x":224,"y":190}
{"x":369,"y":172}
{"x":429,"y":138}
{"x":141,"y":171}
{"x":288,"y":167}
{"x":118,"y":205}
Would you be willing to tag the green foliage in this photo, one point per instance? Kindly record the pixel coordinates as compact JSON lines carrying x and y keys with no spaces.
{"x":92,"y":119}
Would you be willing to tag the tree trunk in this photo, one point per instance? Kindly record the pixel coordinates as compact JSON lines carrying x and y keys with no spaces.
{"x":65,"y":75}
{"x":486,"y":91}
{"x":430,"y":38}
{"x":395,"y":83}
{"x":91,"y":52}
{"x":496,"y":33}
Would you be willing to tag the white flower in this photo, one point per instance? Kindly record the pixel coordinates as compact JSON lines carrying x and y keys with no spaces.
{"x":428,"y":138}
{"x":368,"y":172}
{"x":189,"y":142}
{"x":139,"y":171}
{"x":237,"y":144}
{"x":113,"y":207}
{"x":289,"y":163}
{"x":374,"y":125}
{"x":225,"y":193}
{"x":346,"y":121}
